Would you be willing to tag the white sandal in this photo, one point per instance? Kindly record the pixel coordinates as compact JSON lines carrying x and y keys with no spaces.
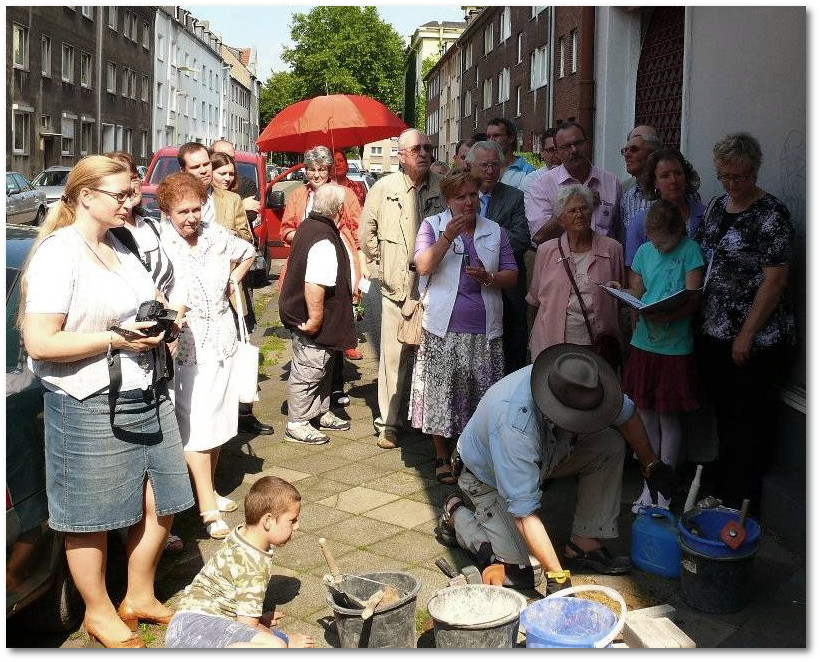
{"x":216,"y":528}
{"x":225,"y":504}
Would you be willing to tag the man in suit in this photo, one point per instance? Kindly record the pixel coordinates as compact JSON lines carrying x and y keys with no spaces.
{"x":388,"y":225}
{"x":504,"y":204}
{"x":225,"y":208}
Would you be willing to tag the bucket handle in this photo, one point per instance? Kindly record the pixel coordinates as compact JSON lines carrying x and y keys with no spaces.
{"x":612,"y":593}
{"x":663,"y":512}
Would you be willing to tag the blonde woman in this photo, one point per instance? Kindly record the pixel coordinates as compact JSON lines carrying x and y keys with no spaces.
{"x":113,"y":450}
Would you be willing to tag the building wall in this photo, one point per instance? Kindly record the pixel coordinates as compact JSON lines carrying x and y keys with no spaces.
{"x":567,"y":93}
{"x":381,"y":156}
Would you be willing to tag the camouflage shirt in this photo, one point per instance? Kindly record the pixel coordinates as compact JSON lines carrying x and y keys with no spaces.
{"x":232,"y":583}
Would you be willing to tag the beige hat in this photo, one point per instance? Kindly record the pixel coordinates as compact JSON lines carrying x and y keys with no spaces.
{"x":576,"y":389}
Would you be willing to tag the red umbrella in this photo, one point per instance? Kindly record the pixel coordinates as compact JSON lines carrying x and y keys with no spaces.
{"x":334,"y":120}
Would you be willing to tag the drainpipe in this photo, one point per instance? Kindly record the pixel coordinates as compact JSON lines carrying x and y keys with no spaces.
{"x":100,"y":31}
{"x":586,"y":83}
{"x":551,"y":46}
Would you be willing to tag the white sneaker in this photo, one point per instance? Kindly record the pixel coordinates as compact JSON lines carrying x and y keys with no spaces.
{"x":305,"y":433}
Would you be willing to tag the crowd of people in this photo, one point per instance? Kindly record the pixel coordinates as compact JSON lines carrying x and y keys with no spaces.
{"x":525,"y":367}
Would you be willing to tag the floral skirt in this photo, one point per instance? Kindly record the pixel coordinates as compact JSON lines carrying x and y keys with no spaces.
{"x":450,"y":376}
{"x":661,"y":382}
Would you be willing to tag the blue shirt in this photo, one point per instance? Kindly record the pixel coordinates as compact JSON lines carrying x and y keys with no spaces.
{"x":636,"y":229}
{"x":664,"y":274}
{"x":505,"y":444}
{"x":516,"y":171}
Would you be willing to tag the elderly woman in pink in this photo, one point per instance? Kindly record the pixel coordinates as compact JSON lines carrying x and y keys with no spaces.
{"x":571,"y":306}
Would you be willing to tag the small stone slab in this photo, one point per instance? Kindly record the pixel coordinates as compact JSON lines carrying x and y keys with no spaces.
{"x":358,"y":500}
{"x":404,"y":512}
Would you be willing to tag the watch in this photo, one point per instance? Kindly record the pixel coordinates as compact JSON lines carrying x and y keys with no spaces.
{"x":646,"y":471}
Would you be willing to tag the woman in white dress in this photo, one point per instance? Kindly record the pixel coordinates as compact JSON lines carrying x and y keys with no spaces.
{"x":206,"y":395}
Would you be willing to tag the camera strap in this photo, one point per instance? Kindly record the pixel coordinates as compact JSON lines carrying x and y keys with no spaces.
{"x":115,"y":378}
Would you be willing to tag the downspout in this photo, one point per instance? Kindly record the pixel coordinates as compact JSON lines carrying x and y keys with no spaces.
{"x":586,"y":82}
{"x":100,"y":32}
{"x":551,"y":46}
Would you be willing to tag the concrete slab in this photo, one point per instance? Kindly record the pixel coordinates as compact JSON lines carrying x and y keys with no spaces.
{"x":408,"y":546}
{"x":315,"y":488}
{"x":314,"y":464}
{"x":316,"y":516}
{"x":355,"y":450}
{"x":358,"y":531}
{"x":303,"y":553}
{"x":281,"y":472}
{"x":399,"y":482}
{"x":358,"y":500}
{"x":405,"y":513}
{"x":354,"y":473}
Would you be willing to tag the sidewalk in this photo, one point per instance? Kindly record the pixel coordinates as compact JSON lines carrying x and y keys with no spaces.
{"x":378,"y":508}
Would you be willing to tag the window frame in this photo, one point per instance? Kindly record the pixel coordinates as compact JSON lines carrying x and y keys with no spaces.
{"x":83,"y":57}
{"x":112,"y":16}
{"x":45,"y":44}
{"x":520,"y":48}
{"x":25,"y":147}
{"x":573,"y":60}
{"x":111,"y":77}
{"x":89,"y":147}
{"x":64,"y":136}
{"x":505,"y":25}
{"x":488,"y":34}
{"x":23,"y":31}
{"x":561,"y":58}
{"x":487,"y":93}
{"x":67,"y":48}
{"x":90,"y":14}
{"x":518,"y":101}
{"x":146,"y":35}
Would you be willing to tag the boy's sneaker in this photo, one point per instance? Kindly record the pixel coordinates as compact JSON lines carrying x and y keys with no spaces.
{"x":329,"y":421}
{"x":305,"y":433}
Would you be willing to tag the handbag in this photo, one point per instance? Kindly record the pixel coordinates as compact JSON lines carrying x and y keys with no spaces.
{"x":412,"y":314}
{"x":246,"y":359}
{"x":604,"y":345}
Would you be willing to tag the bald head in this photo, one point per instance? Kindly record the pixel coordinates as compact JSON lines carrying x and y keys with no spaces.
{"x":223,"y":146}
{"x":642,"y":130}
{"x":641,"y":142}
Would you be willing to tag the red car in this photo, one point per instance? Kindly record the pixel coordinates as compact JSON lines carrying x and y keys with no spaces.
{"x":267,"y":224}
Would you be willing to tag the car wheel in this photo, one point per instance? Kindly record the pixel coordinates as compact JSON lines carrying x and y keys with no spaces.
{"x":59,"y":609}
{"x":41,"y":214}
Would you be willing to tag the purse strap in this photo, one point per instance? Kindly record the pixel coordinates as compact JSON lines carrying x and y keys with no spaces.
{"x":564,"y":260}
{"x":240,"y":313}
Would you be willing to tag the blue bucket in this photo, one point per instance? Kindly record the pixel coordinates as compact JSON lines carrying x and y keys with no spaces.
{"x":700,"y":531}
{"x":559,"y":621}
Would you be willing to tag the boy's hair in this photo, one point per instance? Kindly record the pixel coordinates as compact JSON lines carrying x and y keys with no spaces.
{"x":270,"y":494}
{"x":665,"y":217}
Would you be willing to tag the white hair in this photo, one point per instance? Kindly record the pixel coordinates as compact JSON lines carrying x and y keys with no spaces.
{"x":328,"y":199}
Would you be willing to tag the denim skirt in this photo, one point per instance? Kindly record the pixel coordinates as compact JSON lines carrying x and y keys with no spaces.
{"x":95,"y":472}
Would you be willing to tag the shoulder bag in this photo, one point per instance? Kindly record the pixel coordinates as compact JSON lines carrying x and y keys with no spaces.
{"x":412,"y":314}
{"x":247,"y":357}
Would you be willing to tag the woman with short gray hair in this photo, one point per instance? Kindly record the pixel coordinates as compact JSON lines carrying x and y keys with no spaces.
{"x":747,"y":327}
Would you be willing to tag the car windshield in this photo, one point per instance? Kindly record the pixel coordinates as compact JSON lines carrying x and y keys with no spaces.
{"x":11,"y":276}
{"x":149,"y":204}
{"x":248,"y":170}
{"x":51,"y":178}
{"x":166,"y":165}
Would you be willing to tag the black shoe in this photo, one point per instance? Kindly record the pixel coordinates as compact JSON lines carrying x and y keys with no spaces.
{"x":250,"y":424}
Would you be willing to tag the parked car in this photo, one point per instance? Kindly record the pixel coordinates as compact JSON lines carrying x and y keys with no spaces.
{"x":142,"y":170}
{"x":272,"y":171}
{"x":24,"y":203}
{"x":149,"y":202}
{"x":38,"y":584}
{"x":361,"y":176}
{"x":52,"y":180}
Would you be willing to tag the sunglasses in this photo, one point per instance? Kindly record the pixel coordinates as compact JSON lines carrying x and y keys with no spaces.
{"x":415,"y":149}
{"x":630,"y":149}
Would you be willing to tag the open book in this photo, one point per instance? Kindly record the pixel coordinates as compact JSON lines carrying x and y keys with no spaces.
{"x":665,"y":305}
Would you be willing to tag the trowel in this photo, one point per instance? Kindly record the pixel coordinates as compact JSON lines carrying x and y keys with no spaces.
{"x":733,"y":532}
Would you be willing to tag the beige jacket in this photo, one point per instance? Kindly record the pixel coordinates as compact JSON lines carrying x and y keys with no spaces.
{"x":230,"y":214}
{"x":388,"y":225}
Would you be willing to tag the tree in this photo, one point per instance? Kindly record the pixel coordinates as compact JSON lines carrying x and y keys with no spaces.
{"x":421,"y":99}
{"x":346,"y":50}
{"x":280,"y":90}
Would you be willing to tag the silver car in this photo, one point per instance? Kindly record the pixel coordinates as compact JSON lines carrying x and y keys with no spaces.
{"x":52,"y":180}
{"x":24,"y":203}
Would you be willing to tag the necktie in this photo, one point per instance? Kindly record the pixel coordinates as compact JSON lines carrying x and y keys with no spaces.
{"x":485,"y":203}
{"x":208,"y":211}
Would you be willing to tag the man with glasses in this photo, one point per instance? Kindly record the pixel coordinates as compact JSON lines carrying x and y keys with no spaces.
{"x":504,"y":204}
{"x":640,"y":143}
{"x":576,"y":168}
{"x":514,"y":168}
{"x":548,"y":154}
{"x":392,"y":213}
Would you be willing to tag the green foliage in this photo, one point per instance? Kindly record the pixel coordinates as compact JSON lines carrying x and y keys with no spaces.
{"x":343,"y":50}
{"x":533,"y":159}
{"x":279,"y":91}
{"x":421,"y":99}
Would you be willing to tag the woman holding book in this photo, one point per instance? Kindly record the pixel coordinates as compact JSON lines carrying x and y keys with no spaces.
{"x":564,"y":288}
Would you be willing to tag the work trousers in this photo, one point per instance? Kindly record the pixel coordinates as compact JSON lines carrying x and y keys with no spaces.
{"x":394,"y":360}
{"x":309,"y":380}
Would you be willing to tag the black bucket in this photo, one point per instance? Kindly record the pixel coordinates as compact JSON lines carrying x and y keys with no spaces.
{"x":391,"y":626}
{"x":715,"y":585}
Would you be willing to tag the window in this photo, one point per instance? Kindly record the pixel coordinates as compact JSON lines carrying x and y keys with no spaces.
{"x":67,"y":147}
{"x":468,"y":56}
{"x":22,"y":132}
{"x":537,"y":10}
{"x":111,"y":77}
{"x":561,"y":64}
{"x":504,"y":85}
{"x":132,"y":84}
{"x":468,"y":103}
{"x":112,"y":18}
{"x":504,"y":27}
{"x":520,"y":47}
{"x":129,"y":28}
{"x":68,"y":63}
{"x":85,"y":69}
{"x":146,"y":34}
{"x":394,"y":150}
{"x":202,"y":115}
{"x":375,"y":151}
{"x":159,"y":95}
{"x":488,"y":93}
{"x":143,"y":144}
{"x":476,"y":77}
{"x":45,"y":124}
{"x":160,"y":49}
{"x":88,"y":12}
{"x":127,"y":140}
{"x":144,"y":90}
{"x":86,"y":138}
{"x":488,"y":39}
{"x":538,"y":68}
{"x":517,"y":100}
{"x":475,"y":117}
{"x":20,"y":48}
{"x":573,"y":61}
{"x":45,"y":56}
{"x":204,"y":68}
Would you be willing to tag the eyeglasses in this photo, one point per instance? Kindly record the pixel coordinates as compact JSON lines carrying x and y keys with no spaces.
{"x":631,"y":149}
{"x":465,"y":257}
{"x":120,"y":197}
{"x":577,"y":144}
{"x":415,"y":149}
{"x":734,"y":179}
{"x":493,"y":136}
{"x":550,"y":150}
{"x":488,"y":166}
{"x":582,"y":210}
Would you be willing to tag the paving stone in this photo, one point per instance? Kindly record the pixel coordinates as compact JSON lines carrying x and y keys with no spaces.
{"x":398,"y":482}
{"x":426,"y":468}
{"x":355,"y":450}
{"x":316,"y":488}
{"x":433,"y":493}
{"x":303,"y":553}
{"x":324,"y":637}
{"x":280,"y":472}
{"x":358,"y":500}
{"x":408,"y":546}
{"x":358,"y":531}
{"x":298,"y":597}
{"x":361,"y":429}
{"x":354,"y":473}
{"x":314,"y":465}
{"x":358,"y":561}
{"x":317,"y":515}
{"x":404,"y":513}
{"x":397,"y":460}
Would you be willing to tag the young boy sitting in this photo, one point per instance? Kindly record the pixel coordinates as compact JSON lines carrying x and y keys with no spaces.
{"x":222,"y":606}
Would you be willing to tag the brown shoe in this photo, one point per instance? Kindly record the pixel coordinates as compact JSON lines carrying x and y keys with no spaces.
{"x":131,"y":617}
{"x":387,"y":439}
{"x":132,"y":642}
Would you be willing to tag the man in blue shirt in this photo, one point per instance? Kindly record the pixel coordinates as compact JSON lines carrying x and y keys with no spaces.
{"x":514,"y":168}
{"x":555,"y":418}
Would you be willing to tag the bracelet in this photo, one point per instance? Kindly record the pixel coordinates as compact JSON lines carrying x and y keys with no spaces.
{"x":444,"y":234}
{"x":649,"y":468}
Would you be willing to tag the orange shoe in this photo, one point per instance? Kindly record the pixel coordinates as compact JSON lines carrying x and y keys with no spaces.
{"x":132,"y":642}
{"x":353,"y":354}
{"x":131,"y":617}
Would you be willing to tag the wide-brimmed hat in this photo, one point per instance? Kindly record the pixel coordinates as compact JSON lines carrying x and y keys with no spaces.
{"x":576,"y":389}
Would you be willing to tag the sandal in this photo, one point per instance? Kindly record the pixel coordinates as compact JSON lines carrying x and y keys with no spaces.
{"x":446,"y":530}
{"x":224,"y":504}
{"x":173,"y":544}
{"x":216,"y":528}
{"x":444,"y":471}
{"x":600,"y":560}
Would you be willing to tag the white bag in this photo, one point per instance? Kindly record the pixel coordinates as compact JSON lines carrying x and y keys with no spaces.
{"x":247,"y":356}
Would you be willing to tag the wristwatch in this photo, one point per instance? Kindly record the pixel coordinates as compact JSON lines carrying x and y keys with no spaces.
{"x":646,"y":471}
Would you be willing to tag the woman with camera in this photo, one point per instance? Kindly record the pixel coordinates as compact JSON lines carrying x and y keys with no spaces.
{"x":113,"y":450}
{"x":206,"y":391}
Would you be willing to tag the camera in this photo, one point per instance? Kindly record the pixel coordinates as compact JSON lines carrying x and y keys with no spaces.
{"x":154,"y":311}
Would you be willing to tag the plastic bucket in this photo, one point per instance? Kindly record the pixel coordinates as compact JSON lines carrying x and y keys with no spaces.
{"x":717,"y":585}
{"x":559,"y":621}
{"x":391,"y":626}
{"x":654,"y":546}
{"x":476,"y":616}
{"x":700,"y":530}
